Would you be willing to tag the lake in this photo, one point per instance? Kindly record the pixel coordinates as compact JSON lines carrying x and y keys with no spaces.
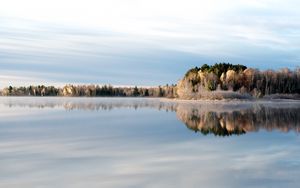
{"x":144,"y":142}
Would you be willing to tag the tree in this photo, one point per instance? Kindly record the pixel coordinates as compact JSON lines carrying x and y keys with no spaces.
{"x":10,"y":89}
{"x":136,"y":92}
{"x":146,"y":93}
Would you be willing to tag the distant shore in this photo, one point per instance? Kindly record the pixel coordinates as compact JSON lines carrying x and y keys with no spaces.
{"x":221,"y":81}
{"x":169,"y":92}
{"x":277,"y":98}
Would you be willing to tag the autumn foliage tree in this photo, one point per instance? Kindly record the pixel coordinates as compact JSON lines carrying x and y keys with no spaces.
{"x":238,"y":79}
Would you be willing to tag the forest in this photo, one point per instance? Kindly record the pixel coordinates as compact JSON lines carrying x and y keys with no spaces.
{"x":224,"y":80}
{"x":218,"y":81}
{"x":91,"y":91}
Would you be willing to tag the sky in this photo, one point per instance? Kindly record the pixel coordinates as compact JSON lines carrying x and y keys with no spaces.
{"x":141,"y":42}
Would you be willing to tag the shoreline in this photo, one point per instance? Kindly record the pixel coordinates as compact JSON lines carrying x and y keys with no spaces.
{"x":163,"y":99}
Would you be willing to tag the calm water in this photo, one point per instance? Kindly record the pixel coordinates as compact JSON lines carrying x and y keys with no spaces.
{"x":123,"y":142}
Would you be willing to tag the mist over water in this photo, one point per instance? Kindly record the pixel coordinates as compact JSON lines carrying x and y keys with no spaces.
{"x":140,"y":142}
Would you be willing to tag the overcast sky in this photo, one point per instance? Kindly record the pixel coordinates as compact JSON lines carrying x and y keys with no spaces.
{"x":141,"y":42}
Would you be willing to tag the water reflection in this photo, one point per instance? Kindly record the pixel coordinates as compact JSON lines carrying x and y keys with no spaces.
{"x":217,"y":118}
{"x":242,"y":121}
{"x":87,"y":142}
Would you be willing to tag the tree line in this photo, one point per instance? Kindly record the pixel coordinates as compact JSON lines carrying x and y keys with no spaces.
{"x":238,"y":79}
{"x":218,"y":81}
{"x":91,"y":91}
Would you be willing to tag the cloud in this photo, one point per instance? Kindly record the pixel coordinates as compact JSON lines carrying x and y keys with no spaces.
{"x":132,"y":38}
{"x":8,"y":78}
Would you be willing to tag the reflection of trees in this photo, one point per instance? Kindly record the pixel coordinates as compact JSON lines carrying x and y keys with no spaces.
{"x":209,"y":123}
{"x":242,"y":121}
{"x":95,"y":104}
{"x":221,"y":118}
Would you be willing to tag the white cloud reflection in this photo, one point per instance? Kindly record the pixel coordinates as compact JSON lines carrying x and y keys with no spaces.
{"x":127,"y":147}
